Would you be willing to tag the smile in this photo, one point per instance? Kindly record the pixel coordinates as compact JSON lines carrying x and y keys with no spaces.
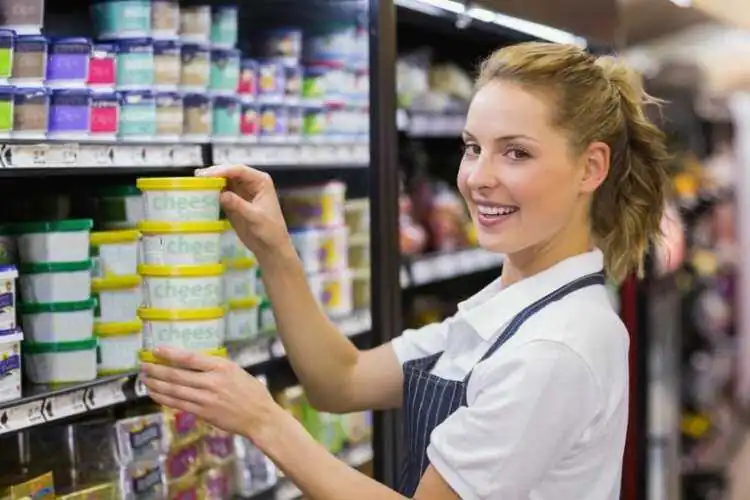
{"x":490,"y":211}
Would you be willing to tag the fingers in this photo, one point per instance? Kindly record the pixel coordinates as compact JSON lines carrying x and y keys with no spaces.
{"x":241,"y":173}
{"x":178,"y":376}
{"x":189,"y":360}
{"x":176,"y":404}
{"x":231,"y":202}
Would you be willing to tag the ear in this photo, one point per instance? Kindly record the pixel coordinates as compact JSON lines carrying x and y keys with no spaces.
{"x":596,"y":160}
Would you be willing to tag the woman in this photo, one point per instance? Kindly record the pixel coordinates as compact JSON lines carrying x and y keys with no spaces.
{"x":524,"y":392}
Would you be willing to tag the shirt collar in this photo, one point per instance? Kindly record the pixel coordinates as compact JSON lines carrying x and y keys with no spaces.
{"x":490,"y":309}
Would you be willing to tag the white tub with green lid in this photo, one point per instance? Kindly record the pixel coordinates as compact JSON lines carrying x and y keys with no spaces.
{"x":118,"y":298}
{"x":53,"y":242}
{"x":119,"y":207}
{"x":266,"y":319}
{"x":181,"y":243}
{"x":115,"y":253}
{"x":56,"y":282}
{"x":58,"y":321}
{"x":181,"y":199}
{"x":232,"y":247}
{"x":182,"y":287}
{"x":60,"y":362}
{"x":192,"y":329}
{"x":242,"y":319}
{"x":240,"y":279}
{"x":119,"y":345}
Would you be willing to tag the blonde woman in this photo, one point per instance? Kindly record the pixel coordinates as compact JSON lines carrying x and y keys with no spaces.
{"x":523,"y":394}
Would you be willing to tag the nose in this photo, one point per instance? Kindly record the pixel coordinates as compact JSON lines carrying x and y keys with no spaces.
{"x":482,"y":175}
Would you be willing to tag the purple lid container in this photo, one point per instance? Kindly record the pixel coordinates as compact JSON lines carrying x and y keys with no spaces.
{"x":70,"y":111}
{"x":68,"y":60}
{"x":167,"y":48}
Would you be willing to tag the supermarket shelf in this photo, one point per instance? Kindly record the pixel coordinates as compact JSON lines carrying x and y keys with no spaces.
{"x":426,"y":124}
{"x":45,"y":404}
{"x":444,"y":266}
{"x":306,"y":155}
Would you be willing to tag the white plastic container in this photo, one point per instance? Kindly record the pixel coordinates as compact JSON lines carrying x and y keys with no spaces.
{"x":10,"y":364}
{"x":183,"y":287}
{"x":115,"y":253}
{"x":181,"y":199}
{"x":309,"y":246}
{"x":181,"y":243}
{"x":232,"y":247}
{"x":119,"y":207}
{"x":56,"y":282}
{"x":337,"y":299}
{"x":242,"y":319}
{"x":361,"y":288}
{"x":60,"y":363}
{"x":240,"y":279}
{"x":334,"y":248}
{"x":58,"y":322}
{"x":266,"y":319}
{"x":359,"y":251}
{"x":192,"y":329}
{"x":54,"y":242}
{"x":119,"y":345}
{"x":314,"y":206}
{"x":8,"y":275}
{"x":357,"y":214}
{"x":118,"y":298}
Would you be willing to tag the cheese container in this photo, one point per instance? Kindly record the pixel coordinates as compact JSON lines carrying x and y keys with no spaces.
{"x":8,"y":276}
{"x":119,"y":207}
{"x":181,"y":199}
{"x":240,"y":279}
{"x":10,"y":364}
{"x":266,"y":319}
{"x":242,"y":319}
{"x":182,"y":287}
{"x":357,"y":215}
{"x":58,"y":322}
{"x":334,"y":247}
{"x":147,"y":356}
{"x":118,"y":298}
{"x":337,"y":299}
{"x":56,"y":282}
{"x":115,"y":253}
{"x":361,"y":288}
{"x":53,"y":242}
{"x":192,"y":329}
{"x":309,"y":246}
{"x":119,"y":345}
{"x":314,"y":206}
{"x":60,"y":363}
{"x":232,"y":247}
{"x":181,"y":243}
{"x":359,"y":251}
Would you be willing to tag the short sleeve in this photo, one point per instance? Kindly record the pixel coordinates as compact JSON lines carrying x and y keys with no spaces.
{"x":421,"y":342}
{"x":528,"y":410}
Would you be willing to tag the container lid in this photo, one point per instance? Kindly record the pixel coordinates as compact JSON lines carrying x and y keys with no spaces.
{"x":153,"y":227}
{"x":180,"y":183}
{"x":241,"y":263}
{"x":72,"y":39}
{"x":12,"y":335}
{"x":185,"y":271}
{"x":112,"y":237}
{"x":56,"y":307}
{"x":127,"y":190}
{"x":149,"y":357}
{"x":8,"y":271}
{"x":61,"y":226}
{"x":148,"y":314}
{"x":115,"y":283}
{"x":246,"y":303}
{"x":134,"y":41}
{"x":118,"y":329}
{"x":55,"y":267}
{"x":53,"y":347}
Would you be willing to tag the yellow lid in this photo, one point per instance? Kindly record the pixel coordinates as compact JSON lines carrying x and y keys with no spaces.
{"x":242,"y":263}
{"x":118,"y":329}
{"x":154,"y":227}
{"x":112,"y":237}
{"x":180,"y":183}
{"x":149,"y":357}
{"x":115,"y":283}
{"x":148,"y":314}
{"x":195,"y":271}
{"x":246,"y":303}
{"x":227,"y":224}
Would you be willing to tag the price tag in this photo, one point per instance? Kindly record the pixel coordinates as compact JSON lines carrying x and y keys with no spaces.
{"x":63,"y":405}
{"x":62,"y":155}
{"x":421,"y":272}
{"x":32,"y":156}
{"x":140,"y":389}
{"x":21,"y":416}
{"x":128,"y":156}
{"x":95,"y":156}
{"x":158,"y":156}
{"x":101,"y":396}
{"x":187,"y":155}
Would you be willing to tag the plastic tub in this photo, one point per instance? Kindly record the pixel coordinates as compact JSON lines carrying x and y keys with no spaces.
{"x":225,"y":71}
{"x":58,"y":322}
{"x":68,"y":62}
{"x":105,"y":114}
{"x":242,"y":319}
{"x":60,"y":241}
{"x":281,"y":43}
{"x":196,"y":67}
{"x":7,"y":42}
{"x":361,"y":288}
{"x":22,"y":16}
{"x":69,"y":113}
{"x":227,"y":112}
{"x":250,"y":122}
{"x":334,"y":246}
{"x":195,"y":23}
{"x":29,"y":60}
{"x":194,"y":329}
{"x":7,"y":99}
{"x":308,"y":243}
{"x":119,"y":345}
{"x":357,"y":214}
{"x":271,"y":84}
{"x":167,"y":64}
{"x":115,"y":19}
{"x":314,"y":206}
{"x":165,"y":19}
{"x":30,"y":113}
{"x":147,"y":356}
{"x":182,"y":287}
{"x":247,"y":87}
{"x":359,"y":251}
{"x":8,"y":276}
{"x":137,"y":115}
{"x":337,"y":297}
{"x":103,"y":66}
{"x":181,"y":199}
{"x":292,"y":83}
{"x":232,"y":247}
{"x":119,"y":207}
{"x":266,"y":319}
{"x":198,"y":117}
{"x":224,"y":25}
{"x":118,"y":298}
{"x":8,"y":246}
{"x":10,"y":364}
{"x":181,"y":243}
{"x":240,"y":279}
{"x":60,"y":363}
{"x":135,"y":64}
{"x":274,"y":122}
{"x":56,"y":282}
{"x":115,"y":253}
{"x":170,"y":115}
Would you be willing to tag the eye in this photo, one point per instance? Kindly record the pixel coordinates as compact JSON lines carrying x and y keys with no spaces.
{"x":471,"y":150}
{"x":517,"y":153}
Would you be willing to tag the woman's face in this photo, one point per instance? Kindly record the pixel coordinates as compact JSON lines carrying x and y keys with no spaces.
{"x":521,"y":182}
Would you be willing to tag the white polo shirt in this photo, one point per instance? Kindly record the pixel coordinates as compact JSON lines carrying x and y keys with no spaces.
{"x":547,"y":412}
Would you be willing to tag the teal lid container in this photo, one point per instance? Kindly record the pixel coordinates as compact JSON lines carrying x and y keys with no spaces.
{"x":118,"y":19}
{"x":227,"y":112}
{"x":135,"y":64}
{"x":225,"y":71}
{"x":224,"y":25}
{"x":137,"y":115}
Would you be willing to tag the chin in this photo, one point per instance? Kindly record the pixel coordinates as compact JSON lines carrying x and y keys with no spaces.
{"x":493,"y":243}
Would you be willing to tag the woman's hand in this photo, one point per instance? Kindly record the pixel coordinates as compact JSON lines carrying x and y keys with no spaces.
{"x":252,"y":206}
{"x":212,"y":388}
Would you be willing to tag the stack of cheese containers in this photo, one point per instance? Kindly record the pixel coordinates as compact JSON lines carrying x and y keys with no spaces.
{"x":183,"y":277}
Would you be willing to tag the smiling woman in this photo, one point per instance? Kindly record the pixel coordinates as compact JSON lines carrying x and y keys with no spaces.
{"x":523,"y":393}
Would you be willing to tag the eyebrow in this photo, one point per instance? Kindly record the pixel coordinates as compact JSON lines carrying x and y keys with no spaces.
{"x":503,"y":138}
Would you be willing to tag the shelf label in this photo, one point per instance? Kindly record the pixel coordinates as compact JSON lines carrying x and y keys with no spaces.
{"x":63,"y":405}
{"x":102,"y":396}
{"x":158,"y":156}
{"x":140,"y":389}
{"x":21,"y":416}
{"x":95,"y":156}
{"x":128,"y":156}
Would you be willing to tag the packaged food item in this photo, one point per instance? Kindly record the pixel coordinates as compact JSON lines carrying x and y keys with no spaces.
{"x":337,"y":298}
{"x":55,"y":241}
{"x":231,"y":247}
{"x":140,"y":438}
{"x":295,"y":123}
{"x":255,"y":472}
{"x":187,"y":488}
{"x":165,"y":19}
{"x":361,"y":288}
{"x":105,"y":114}
{"x":195,"y":23}
{"x":292,"y":83}
{"x":250,"y":122}
{"x":57,"y":321}
{"x":167,"y":64}
{"x":274,"y":122}
{"x":117,"y":297}
{"x":69,"y":113}
{"x":181,"y":243}
{"x":224,"y":25}
{"x":170,"y":115}
{"x":226,"y":118}
{"x":8,"y":276}
{"x":135,"y":64}
{"x":217,"y":447}
{"x":271,"y":85}
{"x":331,"y":41}
{"x":22,"y":16}
{"x":143,"y":479}
{"x":314,"y":206}
{"x":247,"y":87}
{"x":56,"y":281}
{"x":115,"y":19}
{"x":217,"y":482}
{"x":266,"y":319}
{"x":61,"y":362}
{"x":357,"y":215}
{"x":314,"y":121}
{"x":242,"y":319}
{"x":181,"y":199}
{"x":182,"y":461}
{"x":334,"y":248}
{"x":182,"y":287}
{"x":137,"y":115}
{"x":309,"y":246}
{"x":10,"y":364}
{"x":182,"y":427}
{"x":196,"y":67}
{"x":103,"y":66}
{"x":30,"y":112}
{"x":106,"y":491}
{"x":39,"y":488}
{"x":225,"y":71}
{"x":115,"y":253}
{"x":119,"y":207}
{"x":284,"y":44}
{"x":7,"y":42}
{"x":240,"y":279}
{"x":7,"y":95}
{"x":359,"y":251}
{"x":193,"y":329}
{"x":8,"y":246}
{"x":198,"y":117}
{"x":68,"y":62}
{"x":119,"y":345}
{"x":29,"y":60}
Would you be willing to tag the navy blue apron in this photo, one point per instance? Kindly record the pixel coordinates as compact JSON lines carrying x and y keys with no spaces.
{"x":429,"y":399}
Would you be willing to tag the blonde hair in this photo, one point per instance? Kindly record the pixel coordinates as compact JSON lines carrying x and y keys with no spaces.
{"x":600,"y":99}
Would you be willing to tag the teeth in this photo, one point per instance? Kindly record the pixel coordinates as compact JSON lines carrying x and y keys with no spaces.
{"x":486,"y":210}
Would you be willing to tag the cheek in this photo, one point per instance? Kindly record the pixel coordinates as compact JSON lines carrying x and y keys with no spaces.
{"x":461,"y":180}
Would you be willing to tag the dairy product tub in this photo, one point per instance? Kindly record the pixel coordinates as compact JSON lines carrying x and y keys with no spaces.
{"x":115,"y":253}
{"x":192,"y":329}
{"x":334,"y":248}
{"x":240,"y":279}
{"x":119,"y":345}
{"x":8,"y":275}
{"x":183,"y":287}
{"x":357,"y":215}
{"x":181,"y":199}
{"x":10,"y":364}
{"x":242,"y":319}
{"x":309,"y":246}
{"x":361,"y":288}
{"x":56,"y":282}
{"x":337,"y":293}
{"x":148,"y":356}
{"x":58,"y":322}
{"x":231,"y":246}
{"x":54,"y":242}
{"x":60,"y":363}
{"x":181,"y":243}
{"x":119,"y":207}
{"x":117,"y":297}
{"x":359,"y":251}
{"x":314,"y":206}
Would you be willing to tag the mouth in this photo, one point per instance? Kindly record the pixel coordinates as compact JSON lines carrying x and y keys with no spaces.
{"x":489,"y":215}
